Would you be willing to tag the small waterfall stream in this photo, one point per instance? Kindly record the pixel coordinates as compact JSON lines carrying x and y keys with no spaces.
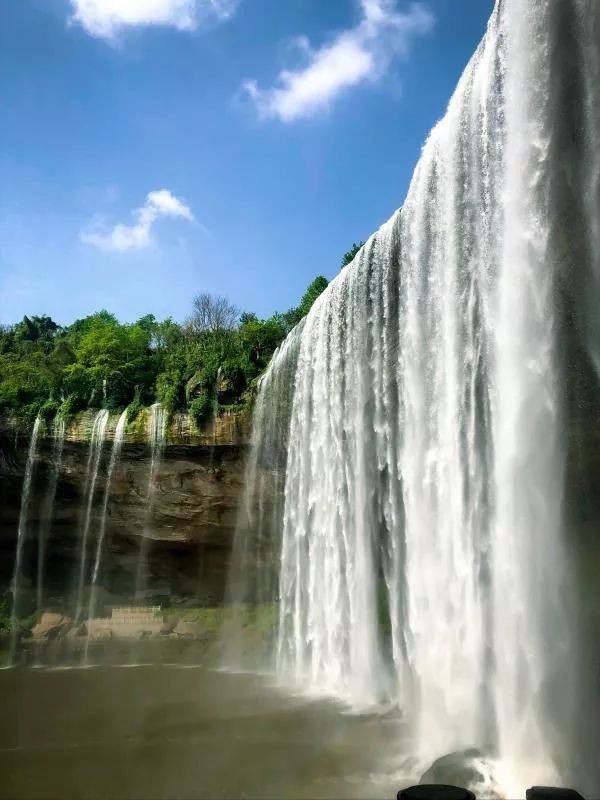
{"x":114,"y":460}
{"x":93,"y":464}
{"x":253,"y":574}
{"x":157,"y":430}
{"x":45,"y":525}
{"x":21,"y":536}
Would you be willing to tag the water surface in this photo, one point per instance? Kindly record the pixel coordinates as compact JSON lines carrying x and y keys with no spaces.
{"x":183,"y":732}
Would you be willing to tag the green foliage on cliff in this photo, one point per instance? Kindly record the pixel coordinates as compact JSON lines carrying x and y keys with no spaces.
{"x":136,"y":415}
{"x":200,"y":408}
{"x":5,"y":612}
{"x":26,"y":615}
{"x":210,"y":361}
{"x":316,"y":288}
{"x":260,"y":619}
{"x":351,"y":254}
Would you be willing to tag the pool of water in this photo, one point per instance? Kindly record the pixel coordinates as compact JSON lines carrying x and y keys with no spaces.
{"x":160,"y":731}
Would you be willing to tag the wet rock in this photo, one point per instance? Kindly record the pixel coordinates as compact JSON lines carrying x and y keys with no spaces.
{"x":189,"y":630}
{"x":51,"y":626}
{"x":467,"y":768}
{"x":76,"y":632}
{"x":102,"y":634}
{"x":169,"y":626}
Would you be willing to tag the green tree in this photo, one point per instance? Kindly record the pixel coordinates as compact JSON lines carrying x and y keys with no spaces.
{"x":316,"y":288}
{"x":110,"y":360}
{"x":287,"y":320}
{"x":35,"y":329}
{"x":258,"y":340}
{"x":351,"y":254}
{"x":214,"y":358}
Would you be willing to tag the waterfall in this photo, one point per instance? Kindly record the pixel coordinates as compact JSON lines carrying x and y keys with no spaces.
{"x":527,"y":561}
{"x":21,"y":536}
{"x":419,"y":541}
{"x":114,"y":460}
{"x":93,"y":463}
{"x":587,"y":36}
{"x":253,"y":572}
{"x":158,"y":425}
{"x":45,"y":525}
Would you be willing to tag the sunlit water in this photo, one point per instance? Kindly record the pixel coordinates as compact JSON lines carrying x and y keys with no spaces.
{"x":21,"y":535}
{"x":418,"y":556}
{"x":93,"y":466}
{"x":45,"y":524}
{"x":157,"y":432}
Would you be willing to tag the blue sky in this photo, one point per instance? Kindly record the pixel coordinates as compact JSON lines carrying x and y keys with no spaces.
{"x":153,"y":149}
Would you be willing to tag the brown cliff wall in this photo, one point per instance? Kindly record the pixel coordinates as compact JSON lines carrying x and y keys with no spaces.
{"x":189,"y":524}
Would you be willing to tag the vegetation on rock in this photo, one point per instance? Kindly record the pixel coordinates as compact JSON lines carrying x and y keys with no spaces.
{"x":348,"y":257}
{"x":261,"y":619}
{"x":210,"y":361}
{"x":26,"y":614}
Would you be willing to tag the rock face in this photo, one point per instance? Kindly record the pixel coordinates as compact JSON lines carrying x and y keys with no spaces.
{"x":51,"y":626}
{"x":189,"y":523}
{"x":469,"y":769}
{"x":188,"y":629}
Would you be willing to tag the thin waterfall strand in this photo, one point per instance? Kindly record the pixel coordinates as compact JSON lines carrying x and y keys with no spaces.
{"x":58,"y":435}
{"x":93,"y":464}
{"x":114,"y":460}
{"x":157,"y":432}
{"x":21,"y":536}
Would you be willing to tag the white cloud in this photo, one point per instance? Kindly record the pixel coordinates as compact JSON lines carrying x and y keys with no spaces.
{"x":354,"y":56}
{"x":106,"y":18}
{"x":121,"y":238}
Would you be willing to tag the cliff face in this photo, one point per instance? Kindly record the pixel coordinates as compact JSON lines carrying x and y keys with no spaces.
{"x":188,"y":518}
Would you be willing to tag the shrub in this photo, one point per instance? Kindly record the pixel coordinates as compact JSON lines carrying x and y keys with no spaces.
{"x":136,"y":416}
{"x":135,"y":408}
{"x":70,"y":405}
{"x":168,"y":390}
{"x":49,"y":410}
{"x":200,"y":408}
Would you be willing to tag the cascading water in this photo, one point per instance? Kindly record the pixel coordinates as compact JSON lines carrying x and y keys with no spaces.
{"x":21,"y":536}
{"x":587,"y":113}
{"x":93,"y":464}
{"x":253,"y":572}
{"x":158,"y":425}
{"x":45,"y":525}
{"x":420,"y":539}
{"x":114,"y":460}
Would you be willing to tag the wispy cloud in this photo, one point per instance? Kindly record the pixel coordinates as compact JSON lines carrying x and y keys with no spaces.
{"x":122,"y":238}
{"x":353,"y":56}
{"x":106,"y":18}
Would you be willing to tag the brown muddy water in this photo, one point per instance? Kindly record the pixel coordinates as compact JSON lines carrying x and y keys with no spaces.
{"x":183,"y":732}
